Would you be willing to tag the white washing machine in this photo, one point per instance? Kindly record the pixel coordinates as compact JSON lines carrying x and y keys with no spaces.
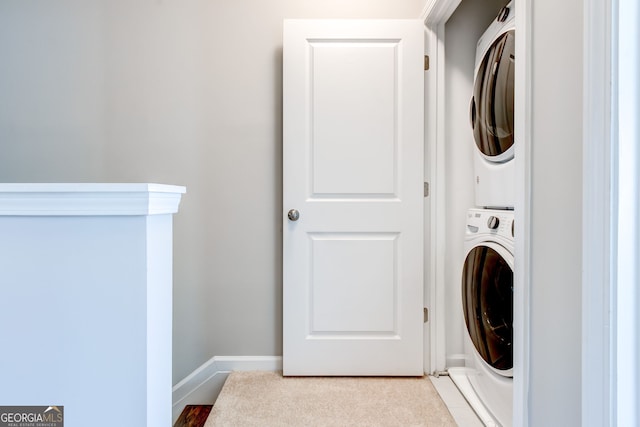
{"x":487,"y":305}
{"x":491,"y":113}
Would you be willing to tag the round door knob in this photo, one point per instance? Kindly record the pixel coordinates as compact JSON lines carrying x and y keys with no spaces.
{"x":293,"y":215}
{"x":493,"y":222}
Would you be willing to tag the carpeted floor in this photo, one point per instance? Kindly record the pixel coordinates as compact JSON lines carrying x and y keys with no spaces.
{"x":267,"y":399}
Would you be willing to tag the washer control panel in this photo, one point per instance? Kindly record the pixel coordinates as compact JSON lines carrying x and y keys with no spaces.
{"x":490,"y":221}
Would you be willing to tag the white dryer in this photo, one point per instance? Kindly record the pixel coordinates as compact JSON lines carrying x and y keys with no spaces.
{"x":487,"y":305}
{"x":491,"y":113}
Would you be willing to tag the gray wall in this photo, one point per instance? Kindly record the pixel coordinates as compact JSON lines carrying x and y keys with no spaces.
{"x":556,"y":213}
{"x":170,"y":91}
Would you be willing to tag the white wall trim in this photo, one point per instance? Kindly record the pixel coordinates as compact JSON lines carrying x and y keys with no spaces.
{"x":203,"y":385}
{"x":625,"y":239}
{"x":437,"y":12}
{"x":596,"y":218}
{"x":522,"y":273}
{"x":83,"y":199}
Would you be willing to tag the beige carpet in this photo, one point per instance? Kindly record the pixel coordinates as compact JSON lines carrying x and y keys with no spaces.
{"x":267,"y":399}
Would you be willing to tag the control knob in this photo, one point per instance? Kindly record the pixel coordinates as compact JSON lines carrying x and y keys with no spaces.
{"x":493,"y":222}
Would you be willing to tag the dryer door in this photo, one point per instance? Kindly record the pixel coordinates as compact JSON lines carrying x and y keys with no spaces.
{"x":492,"y":101}
{"x":487,"y":302}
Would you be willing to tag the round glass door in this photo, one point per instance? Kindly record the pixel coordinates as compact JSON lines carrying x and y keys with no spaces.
{"x":492,"y":102}
{"x":487,"y":301}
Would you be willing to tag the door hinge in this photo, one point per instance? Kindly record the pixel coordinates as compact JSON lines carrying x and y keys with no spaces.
{"x":426,"y":189}
{"x":426,"y":314}
{"x":426,"y":62}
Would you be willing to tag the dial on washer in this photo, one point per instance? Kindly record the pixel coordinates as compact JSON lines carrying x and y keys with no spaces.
{"x":493,"y":222}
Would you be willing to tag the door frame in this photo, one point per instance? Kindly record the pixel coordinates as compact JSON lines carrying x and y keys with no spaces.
{"x":435,"y":14}
{"x":610,"y":197}
{"x":598,"y":351}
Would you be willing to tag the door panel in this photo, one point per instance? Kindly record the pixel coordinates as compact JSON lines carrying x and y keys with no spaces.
{"x":354,"y":116}
{"x":352,"y":295}
{"x":352,"y":167}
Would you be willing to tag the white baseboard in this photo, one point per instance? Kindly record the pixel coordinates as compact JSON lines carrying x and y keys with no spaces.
{"x":456,"y":360}
{"x":203,"y":385}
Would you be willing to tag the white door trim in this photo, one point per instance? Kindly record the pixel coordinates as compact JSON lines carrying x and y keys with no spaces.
{"x":625,"y":208}
{"x":435,"y":14}
{"x":596,"y":217}
{"x":522,"y":274}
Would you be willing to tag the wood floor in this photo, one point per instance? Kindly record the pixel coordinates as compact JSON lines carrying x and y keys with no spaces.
{"x":193,"y":416}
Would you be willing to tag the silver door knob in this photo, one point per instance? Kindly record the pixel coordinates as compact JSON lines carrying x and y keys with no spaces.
{"x":293,"y":215}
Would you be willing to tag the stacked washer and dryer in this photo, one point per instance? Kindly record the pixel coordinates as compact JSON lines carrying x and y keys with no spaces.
{"x":487,"y":272}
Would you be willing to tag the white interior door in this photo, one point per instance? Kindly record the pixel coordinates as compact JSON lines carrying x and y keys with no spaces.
{"x":353,"y":172}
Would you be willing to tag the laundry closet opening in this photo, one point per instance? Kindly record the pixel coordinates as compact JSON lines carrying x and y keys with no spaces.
{"x":458,"y":113}
{"x":462,"y":31}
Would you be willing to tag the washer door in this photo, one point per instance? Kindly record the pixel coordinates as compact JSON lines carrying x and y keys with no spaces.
{"x":492,"y":101}
{"x":487,"y":302}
